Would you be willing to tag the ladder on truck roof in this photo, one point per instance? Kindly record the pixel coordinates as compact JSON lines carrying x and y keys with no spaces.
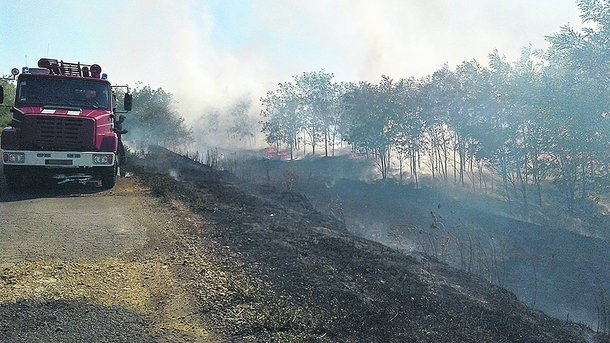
{"x":64,"y":68}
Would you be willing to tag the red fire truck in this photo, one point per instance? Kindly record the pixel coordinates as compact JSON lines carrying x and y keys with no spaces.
{"x":65,"y":125}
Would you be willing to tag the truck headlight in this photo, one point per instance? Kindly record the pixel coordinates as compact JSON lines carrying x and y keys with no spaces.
{"x":103,"y":158}
{"x":13,"y":157}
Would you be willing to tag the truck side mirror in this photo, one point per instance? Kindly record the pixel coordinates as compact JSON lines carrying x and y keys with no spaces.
{"x":127,"y":101}
{"x":1,"y":95}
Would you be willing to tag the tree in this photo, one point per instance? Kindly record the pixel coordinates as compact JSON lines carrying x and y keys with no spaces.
{"x":317,"y":94}
{"x":577,"y":85}
{"x":407,"y":136}
{"x":283,"y":114}
{"x":153,"y":121}
{"x":370,"y":114}
{"x":473,"y":104}
{"x":242,"y":127}
{"x":440,"y":95}
{"x":9,"y":100}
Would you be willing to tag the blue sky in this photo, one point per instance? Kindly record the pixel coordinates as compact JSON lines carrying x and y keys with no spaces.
{"x":208,"y":52}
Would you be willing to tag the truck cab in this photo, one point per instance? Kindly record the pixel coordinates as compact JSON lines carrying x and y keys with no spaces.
{"x":63,"y":126}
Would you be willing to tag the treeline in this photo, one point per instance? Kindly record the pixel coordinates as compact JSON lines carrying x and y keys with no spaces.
{"x":154,"y":120}
{"x":541,"y":118}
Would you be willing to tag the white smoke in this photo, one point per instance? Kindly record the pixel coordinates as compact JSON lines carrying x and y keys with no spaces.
{"x":211,"y":53}
{"x":183,"y":47}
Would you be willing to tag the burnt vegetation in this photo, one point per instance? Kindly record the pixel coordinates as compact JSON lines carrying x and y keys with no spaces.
{"x":296,"y":274}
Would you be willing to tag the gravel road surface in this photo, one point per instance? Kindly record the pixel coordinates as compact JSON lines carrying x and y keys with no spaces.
{"x":78,"y":264}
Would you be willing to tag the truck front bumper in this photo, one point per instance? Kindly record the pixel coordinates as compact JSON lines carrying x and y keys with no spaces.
{"x":58,"y":159}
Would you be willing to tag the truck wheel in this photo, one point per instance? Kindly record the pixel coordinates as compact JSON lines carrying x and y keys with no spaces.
{"x":109,"y":178}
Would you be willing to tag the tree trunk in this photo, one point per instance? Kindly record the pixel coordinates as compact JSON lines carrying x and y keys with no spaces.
{"x":414,"y":165}
{"x":445,"y":157}
{"x":504,"y":171}
{"x":326,"y":142}
{"x":454,"y":162}
{"x":313,"y":141}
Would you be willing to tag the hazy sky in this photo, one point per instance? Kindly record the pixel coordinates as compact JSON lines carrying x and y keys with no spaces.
{"x":207,"y":52}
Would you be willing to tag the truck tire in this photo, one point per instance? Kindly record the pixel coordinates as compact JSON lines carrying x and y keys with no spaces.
{"x":109,"y":177}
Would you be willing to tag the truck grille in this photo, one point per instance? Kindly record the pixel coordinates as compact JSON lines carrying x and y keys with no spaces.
{"x":59,"y":133}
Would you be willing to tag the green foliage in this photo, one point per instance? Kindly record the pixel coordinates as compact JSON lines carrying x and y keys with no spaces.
{"x":284,"y":116}
{"x":242,"y":127}
{"x":5,"y":119}
{"x":316,"y":93}
{"x":368,"y":115}
{"x":577,"y":88}
{"x":153,"y":120}
{"x":9,"y":100}
{"x":376,"y":118}
{"x":302,"y":108}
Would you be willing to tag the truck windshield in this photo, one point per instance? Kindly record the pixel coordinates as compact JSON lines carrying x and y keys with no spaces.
{"x":62,"y":92}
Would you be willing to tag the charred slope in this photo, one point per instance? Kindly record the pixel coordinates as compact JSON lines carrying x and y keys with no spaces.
{"x":297,"y":275}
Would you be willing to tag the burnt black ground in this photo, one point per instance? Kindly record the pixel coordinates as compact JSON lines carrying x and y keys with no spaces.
{"x":298,"y":275}
{"x":553,"y":259}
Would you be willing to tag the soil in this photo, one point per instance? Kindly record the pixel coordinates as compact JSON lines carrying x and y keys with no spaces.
{"x":182,"y":253}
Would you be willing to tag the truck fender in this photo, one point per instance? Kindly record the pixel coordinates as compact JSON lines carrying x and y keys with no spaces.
{"x":10,"y":138}
{"x":109,"y":143}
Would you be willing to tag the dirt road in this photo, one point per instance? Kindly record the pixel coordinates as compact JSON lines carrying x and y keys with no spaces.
{"x":78,"y":264}
{"x":73,"y":227}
